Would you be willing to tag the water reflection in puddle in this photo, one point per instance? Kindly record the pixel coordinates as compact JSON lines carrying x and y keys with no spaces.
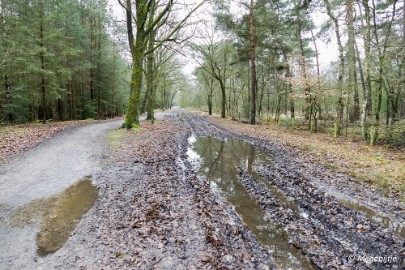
{"x":219,"y":160}
{"x":57,"y":216}
{"x":384,"y":221}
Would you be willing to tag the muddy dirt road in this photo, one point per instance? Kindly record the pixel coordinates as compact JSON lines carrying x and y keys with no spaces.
{"x":309,"y":203}
{"x":185,"y":193}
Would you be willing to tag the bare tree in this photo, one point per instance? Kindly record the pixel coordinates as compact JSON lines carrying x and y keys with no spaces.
{"x":146,"y":18}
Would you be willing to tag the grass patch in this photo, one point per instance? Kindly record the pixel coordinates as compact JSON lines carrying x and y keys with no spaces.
{"x":115,"y":137}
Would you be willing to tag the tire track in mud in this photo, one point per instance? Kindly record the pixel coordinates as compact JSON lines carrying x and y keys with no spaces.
{"x":326,"y":231}
{"x":343,"y":187}
{"x":329,"y":233}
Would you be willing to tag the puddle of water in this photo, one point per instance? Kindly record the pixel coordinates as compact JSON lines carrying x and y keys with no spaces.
{"x":57,"y":216}
{"x":384,"y":221}
{"x":219,"y":161}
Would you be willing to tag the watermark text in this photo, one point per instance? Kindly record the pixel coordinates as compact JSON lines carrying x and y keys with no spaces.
{"x":375,"y":259}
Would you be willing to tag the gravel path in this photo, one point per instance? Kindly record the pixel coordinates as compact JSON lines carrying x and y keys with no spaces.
{"x":44,"y":171}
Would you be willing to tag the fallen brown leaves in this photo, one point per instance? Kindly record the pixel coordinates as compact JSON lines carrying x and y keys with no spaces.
{"x":154,"y":212}
{"x":20,"y":138}
{"x":376,"y":165}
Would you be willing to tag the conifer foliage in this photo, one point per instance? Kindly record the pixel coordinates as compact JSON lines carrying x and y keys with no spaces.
{"x":58,"y":61}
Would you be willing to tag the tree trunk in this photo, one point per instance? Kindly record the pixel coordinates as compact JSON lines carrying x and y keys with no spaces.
{"x":233,"y":106}
{"x":314,"y":106}
{"x":352,"y":62}
{"x":367,"y":100}
{"x":144,"y":101}
{"x":150,"y":83}
{"x":361,"y":72}
{"x":137,"y":48}
{"x":403,"y":61}
{"x":149,"y":95}
{"x":318,"y":73}
{"x":7,"y":85}
{"x":303,"y":69}
{"x":340,"y":103}
{"x":403,"y":65}
{"x":223,"y":92}
{"x":381,"y":58}
{"x":100,"y":111}
{"x":230,"y":94}
{"x":290,"y":89}
{"x":91,"y":85}
{"x":210,"y":104}
{"x":253,"y":65}
{"x":150,"y":72}
{"x":42,"y":57}
{"x":261,"y":94}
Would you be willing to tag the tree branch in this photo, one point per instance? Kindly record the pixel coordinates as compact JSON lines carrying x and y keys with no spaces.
{"x":176,"y":29}
{"x":159,"y":17}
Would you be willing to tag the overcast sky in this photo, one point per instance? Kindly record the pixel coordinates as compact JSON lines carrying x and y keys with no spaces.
{"x":328,"y":52}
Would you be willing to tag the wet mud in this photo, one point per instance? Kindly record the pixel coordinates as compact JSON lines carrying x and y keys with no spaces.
{"x":388,"y":223}
{"x":329,"y":230}
{"x":219,"y":161}
{"x":185,"y":193}
{"x":155,"y":212}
